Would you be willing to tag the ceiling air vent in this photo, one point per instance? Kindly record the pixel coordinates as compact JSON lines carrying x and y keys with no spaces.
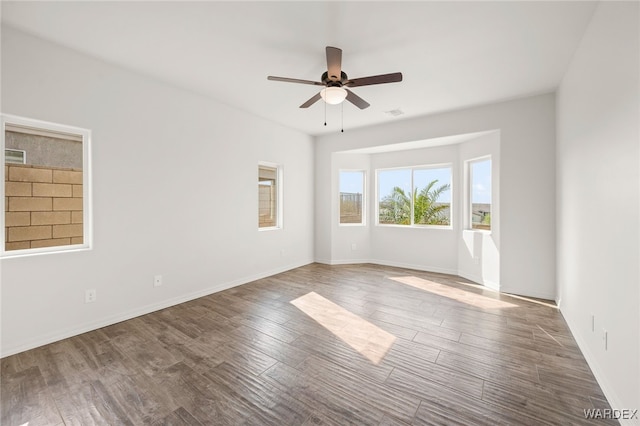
{"x":394,"y":112}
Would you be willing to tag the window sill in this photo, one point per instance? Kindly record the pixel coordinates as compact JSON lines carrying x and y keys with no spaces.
{"x":443,"y":227}
{"x":269,"y":228}
{"x":480,"y":231}
{"x":13,"y":254}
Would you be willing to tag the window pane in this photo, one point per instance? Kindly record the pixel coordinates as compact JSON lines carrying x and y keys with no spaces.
{"x":394,"y":197}
{"x":480,"y":174}
{"x":267,"y":196}
{"x":432,"y":196}
{"x":44,"y":188}
{"x":351,"y":191}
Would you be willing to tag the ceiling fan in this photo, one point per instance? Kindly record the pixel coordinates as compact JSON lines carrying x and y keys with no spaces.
{"x":335,"y":81}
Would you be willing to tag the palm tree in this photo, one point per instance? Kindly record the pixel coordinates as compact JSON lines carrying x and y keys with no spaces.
{"x":426,"y":209}
{"x":395,"y":208}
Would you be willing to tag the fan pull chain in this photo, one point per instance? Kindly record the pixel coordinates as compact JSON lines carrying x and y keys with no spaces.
{"x":342,"y":117}
{"x":325,"y":113}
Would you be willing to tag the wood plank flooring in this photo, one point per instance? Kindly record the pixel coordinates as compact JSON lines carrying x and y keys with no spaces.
{"x":318,"y":345}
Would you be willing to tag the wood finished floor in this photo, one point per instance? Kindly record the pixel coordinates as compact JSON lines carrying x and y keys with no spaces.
{"x":318,"y":345}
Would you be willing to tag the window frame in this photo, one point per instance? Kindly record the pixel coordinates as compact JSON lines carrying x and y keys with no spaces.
{"x":469,"y":192}
{"x":279,"y":196}
{"x":412,"y":170}
{"x":363,"y":208}
{"x":87,"y":213}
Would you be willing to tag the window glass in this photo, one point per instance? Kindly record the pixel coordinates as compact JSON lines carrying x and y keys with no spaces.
{"x":267,"y":196}
{"x":351,"y":197}
{"x":394,"y":197}
{"x":432,"y":196}
{"x":480,"y":192}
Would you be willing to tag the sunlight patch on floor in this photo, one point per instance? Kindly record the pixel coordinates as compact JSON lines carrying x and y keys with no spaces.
{"x":550,"y":336}
{"x":460,"y":295}
{"x":367,"y":339}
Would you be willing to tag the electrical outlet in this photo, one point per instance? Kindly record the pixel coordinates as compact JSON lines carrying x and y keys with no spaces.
{"x":605,"y":338}
{"x":157,"y":280}
{"x":354,"y":246}
{"x":90,"y":295}
{"x":593,"y":322}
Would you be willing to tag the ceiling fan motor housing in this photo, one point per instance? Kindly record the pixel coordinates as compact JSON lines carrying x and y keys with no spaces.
{"x":333,"y":80}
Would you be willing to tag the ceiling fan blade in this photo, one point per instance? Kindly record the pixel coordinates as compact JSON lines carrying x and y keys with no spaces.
{"x":334,"y":63}
{"x":375,"y":79}
{"x":294,"y":80}
{"x":311,"y":101}
{"x":356,"y":100}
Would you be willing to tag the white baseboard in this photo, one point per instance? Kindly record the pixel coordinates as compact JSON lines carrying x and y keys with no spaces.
{"x":425,"y":268}
{"x":479,"y":280}
{"x":346,"y":262}
{"x":601,"y":378}
{"x":38,"y":341}
{"x":536,"y":295}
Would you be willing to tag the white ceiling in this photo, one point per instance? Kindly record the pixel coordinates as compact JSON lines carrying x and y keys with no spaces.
{"x":452,"y":54}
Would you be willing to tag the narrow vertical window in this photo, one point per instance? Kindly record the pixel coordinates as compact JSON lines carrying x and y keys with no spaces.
{"x":480,"y":193}
{"x":351,"y":197}
{"x":45,"y":186}
{"x":268,"y":196}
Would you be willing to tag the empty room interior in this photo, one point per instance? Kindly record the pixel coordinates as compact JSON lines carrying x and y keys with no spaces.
{"x":327,"y":213}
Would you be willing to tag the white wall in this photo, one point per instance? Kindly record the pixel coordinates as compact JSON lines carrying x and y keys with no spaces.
{"x":174,"y":190}
{"x":527,"y":178}
{"x":598,"y":199}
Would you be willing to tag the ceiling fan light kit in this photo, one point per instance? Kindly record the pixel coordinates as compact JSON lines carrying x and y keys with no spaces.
{"x":333,"y":95}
